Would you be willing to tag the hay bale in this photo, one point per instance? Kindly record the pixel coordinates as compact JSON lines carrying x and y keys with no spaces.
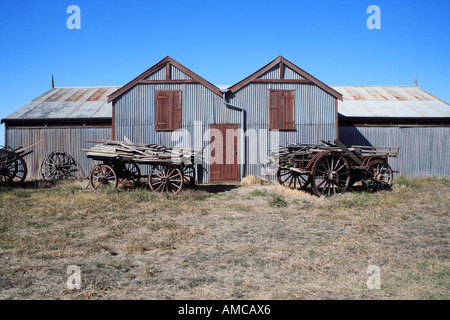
{"x":253,"y":181}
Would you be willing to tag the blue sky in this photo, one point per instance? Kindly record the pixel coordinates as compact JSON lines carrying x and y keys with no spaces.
{"x":223,"y":41}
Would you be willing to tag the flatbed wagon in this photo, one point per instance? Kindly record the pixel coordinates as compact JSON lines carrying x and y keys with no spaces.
{"x":329,"y":168}
{"x":170,"y":170}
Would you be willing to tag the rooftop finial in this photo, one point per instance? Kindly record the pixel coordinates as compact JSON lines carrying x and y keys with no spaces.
{"x":53,"y":82}
{"x":415,"y":79}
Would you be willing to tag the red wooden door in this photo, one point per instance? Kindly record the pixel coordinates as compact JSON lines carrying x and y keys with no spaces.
{"x":226,"y":150}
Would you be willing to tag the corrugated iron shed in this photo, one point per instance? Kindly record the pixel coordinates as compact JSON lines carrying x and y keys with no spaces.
{"x":67,"y":103}
{"x":390,"y":101}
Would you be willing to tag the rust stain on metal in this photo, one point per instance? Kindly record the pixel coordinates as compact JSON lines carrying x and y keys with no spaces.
{"x":375,"y":90}
{"x":97,"y":95}
{"x":55,"y":96}
{"x":375,"y":94}
{"x":77,"y":95}
{"x":421,"y":97}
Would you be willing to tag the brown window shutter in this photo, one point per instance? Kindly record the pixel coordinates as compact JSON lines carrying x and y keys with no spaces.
{"x":167,"y":110}
{"x":177,"y":110}
{"x":289,"y":110}
{"x":281,"y":110}
{"x":273,"y":111}
{"x":161,"y":111}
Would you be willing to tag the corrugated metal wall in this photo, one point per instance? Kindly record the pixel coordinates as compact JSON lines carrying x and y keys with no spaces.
{"x":160,"y":74}
{"x":70,"y":140}
{"x":315,"y":117}
{"x":424,"y":151}
{"x":291,"y":74}
{"x":135,"y":116}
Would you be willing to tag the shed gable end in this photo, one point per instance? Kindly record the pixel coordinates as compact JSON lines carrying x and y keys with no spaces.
{"x":281,"y":70}
{"x":167,"y":71}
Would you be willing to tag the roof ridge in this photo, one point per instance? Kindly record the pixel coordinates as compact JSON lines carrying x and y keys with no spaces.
{"x":79,"y":87}
{"x":372,"y":85}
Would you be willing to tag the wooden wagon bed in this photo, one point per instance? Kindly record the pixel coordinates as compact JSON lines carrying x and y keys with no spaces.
{"x":172,"y":168}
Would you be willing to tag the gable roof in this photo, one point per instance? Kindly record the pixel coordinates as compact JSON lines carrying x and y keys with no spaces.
{"x":74,"y":103}
{"x":390,"y":102}
{"x":281,"y":62}
{"x":167,"y":62}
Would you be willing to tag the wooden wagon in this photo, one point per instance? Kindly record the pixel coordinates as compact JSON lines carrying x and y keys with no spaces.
{"x":171,"y":169}
{"x":13,"y":168}
{"x":333,"y":168}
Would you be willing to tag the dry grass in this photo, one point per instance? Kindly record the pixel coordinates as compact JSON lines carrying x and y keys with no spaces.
{"x":224,"y":242}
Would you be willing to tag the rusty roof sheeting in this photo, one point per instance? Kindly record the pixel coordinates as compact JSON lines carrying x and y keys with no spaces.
{"x":390,"y":101}
{"x":67,"y":103}
{"x":358,"y":101}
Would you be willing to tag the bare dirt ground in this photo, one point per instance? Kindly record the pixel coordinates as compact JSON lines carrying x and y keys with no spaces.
{"x":225,"y":242}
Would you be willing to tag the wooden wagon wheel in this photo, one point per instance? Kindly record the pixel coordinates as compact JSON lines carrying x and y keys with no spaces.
{"x":103,"y":177}
{"x":13,"y":170}
{"x":131,"y":172}
{"x":330,"y":174}
{"x":292,"y":179}
{"x":165,"y":178}
{"x":378,"y":176}
{"x":58,"y":165}
{"x":188,"y":175}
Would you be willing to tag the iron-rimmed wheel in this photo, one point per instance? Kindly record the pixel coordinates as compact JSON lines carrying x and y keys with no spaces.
{"x":379,"y":176}
{"x":188,"y":176}
{"x":330,"y":174}
{"x":103,"y":177}
{"x":292,"y":179}
{"x":165,"y":178}
{"x":13,"y":170}
{"x":58,"y":165}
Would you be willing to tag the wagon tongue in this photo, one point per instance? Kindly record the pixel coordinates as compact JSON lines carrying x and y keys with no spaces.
{"x":348,"y":151}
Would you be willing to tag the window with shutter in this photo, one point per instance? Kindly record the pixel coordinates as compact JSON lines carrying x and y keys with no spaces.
{"x":167,"y":110}
{"x":281,"y":110}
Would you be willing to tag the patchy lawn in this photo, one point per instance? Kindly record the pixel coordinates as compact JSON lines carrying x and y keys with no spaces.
{"x":225,"y":242}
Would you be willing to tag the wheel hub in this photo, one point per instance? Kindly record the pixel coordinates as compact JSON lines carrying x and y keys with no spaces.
{"x":379,"y":177}
{"x":332,"y":176}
